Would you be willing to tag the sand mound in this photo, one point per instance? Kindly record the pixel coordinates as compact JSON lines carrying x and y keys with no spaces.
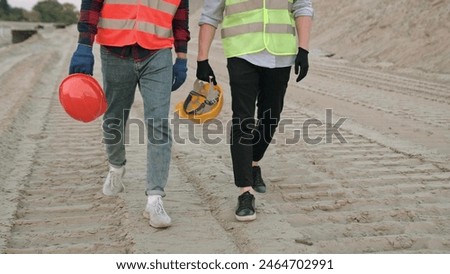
{"x":401,"y":33}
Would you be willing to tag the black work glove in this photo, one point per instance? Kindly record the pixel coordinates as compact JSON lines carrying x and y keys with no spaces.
{"x":204,"y":72}
{"x":301,"y":63}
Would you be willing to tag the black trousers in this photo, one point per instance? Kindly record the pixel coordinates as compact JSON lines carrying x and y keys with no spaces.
{"x":253,"y":89}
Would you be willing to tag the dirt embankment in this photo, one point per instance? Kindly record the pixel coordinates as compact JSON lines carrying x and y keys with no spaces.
{"x":405,"y":34}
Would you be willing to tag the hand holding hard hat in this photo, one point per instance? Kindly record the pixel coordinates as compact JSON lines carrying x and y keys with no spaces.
{"x":203,"y":103}
{"x":82,"y":97}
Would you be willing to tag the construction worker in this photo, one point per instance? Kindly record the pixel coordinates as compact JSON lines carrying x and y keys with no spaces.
{"x":136,"y":38}
{"x":262,"y":39}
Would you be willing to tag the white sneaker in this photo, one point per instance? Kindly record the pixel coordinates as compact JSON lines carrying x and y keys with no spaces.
{"x":113,"y":184}
{"x":156,"y":213}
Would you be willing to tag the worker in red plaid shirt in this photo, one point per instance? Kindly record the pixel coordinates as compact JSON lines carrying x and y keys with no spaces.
{"x":136,"y":40}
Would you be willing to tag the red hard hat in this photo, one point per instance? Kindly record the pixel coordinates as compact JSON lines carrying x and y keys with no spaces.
{"x":82,"y":97}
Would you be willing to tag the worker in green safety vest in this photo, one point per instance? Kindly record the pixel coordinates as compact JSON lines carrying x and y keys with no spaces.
{"x":262,"y":40}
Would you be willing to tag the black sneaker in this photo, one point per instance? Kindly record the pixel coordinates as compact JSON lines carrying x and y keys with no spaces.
{"x":246,"y":207}
{"x":258,"y":182}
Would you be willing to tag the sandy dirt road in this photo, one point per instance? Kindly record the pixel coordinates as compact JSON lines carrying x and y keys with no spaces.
{"x":385,"y":190}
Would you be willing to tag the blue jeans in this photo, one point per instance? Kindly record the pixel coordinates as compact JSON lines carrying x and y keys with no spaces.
{"x":153,"y":76}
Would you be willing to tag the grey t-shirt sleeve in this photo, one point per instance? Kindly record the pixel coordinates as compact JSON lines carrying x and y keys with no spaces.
{"x":212,"y":12}
{"x":303,"y":8}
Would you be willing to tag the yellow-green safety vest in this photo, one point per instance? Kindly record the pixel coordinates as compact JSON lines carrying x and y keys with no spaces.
{"x":250,"y":26}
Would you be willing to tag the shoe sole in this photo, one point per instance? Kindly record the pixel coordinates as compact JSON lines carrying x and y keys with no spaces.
{"x":147,"y":216}
{"x":111,"y":193}
{"x":107,"y":193}
{"x":248,"y":218}
{"x":258,"y":190}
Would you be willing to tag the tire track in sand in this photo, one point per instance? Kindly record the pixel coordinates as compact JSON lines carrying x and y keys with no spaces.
{"x":370,"y":89}
{"x":376,"y":198}
{"x":378,"y":195}
{"x":59,"y":207}
{"x":355,"y":197}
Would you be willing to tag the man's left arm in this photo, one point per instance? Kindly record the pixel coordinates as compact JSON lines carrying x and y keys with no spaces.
{"x":303,"y":13}
{"x":181,"y":34}
{"x":180,"y":27}
{"x":303,"y":24}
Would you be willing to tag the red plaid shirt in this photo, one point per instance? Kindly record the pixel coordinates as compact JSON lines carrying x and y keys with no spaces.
{"x":89,"y":17}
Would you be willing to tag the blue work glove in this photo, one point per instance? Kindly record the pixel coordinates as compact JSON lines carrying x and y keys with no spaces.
{"x":82,"y":60}
{"x":179,"y":73}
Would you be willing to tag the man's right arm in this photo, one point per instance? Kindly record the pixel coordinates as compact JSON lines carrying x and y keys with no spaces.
{"x":206,"y":36}
{"x":212,"y":15}
{"x":204,"y":70}
{"x":82,"y":59}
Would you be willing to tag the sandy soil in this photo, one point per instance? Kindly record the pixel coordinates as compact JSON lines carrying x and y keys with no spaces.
{"x":386,"y":190}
